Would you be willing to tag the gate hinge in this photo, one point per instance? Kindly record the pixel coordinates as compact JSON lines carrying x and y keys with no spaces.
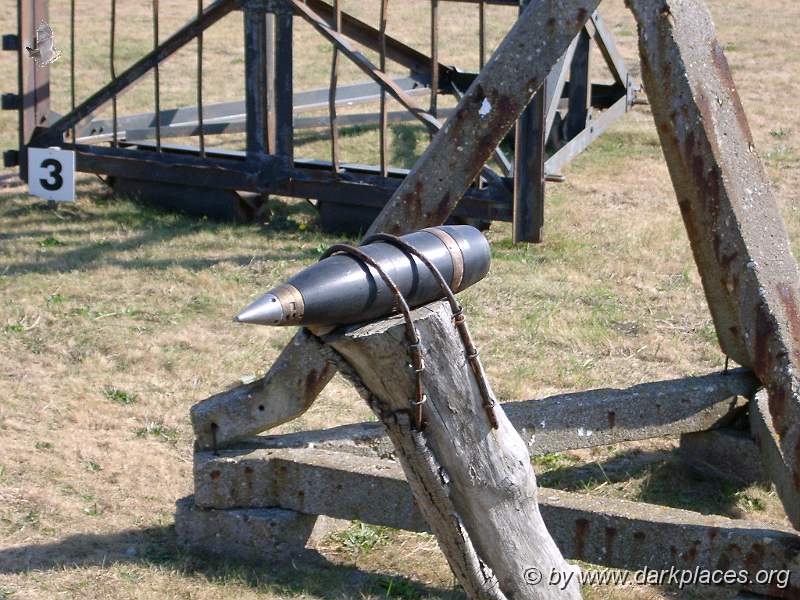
{"x":11,"y":158}
{"x":10,"y":102}
{"x":10,"y":41}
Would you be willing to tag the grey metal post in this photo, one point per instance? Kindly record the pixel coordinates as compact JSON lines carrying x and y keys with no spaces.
{"x":255,"y":67}
{"x":284,"y":143}
{"x":528,"y":219}
{"x":271,"y":83}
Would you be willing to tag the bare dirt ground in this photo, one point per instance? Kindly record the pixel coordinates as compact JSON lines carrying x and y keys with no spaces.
{"x":115,"y":319}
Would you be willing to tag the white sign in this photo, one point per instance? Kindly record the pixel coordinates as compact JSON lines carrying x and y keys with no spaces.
{"x":51,"y":174}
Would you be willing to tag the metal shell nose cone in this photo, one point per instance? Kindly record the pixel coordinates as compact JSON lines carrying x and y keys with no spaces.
{"x":267,"y":310}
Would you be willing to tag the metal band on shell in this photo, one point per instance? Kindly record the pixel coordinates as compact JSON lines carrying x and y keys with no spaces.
{"x":455,"y":254}
{"x":291,"y":301}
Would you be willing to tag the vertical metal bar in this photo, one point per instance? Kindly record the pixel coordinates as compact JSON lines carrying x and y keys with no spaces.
{"x":270,"y":83}
{"x":529,"y":144}
{"x":156,"y":83}
{"x":481,"y":33}
{"x":384,"y":108}
{"x":33,"y":81}
{"x":255,"y":59}
{"x":113,"y":70}
{"x":199,"y":80}
{"x":284,"y":137}
{"x":528,"y":219}
{"x":579,"y":86}
{"x":434,"y":55}
{"x":72,"y":61}
{"x":337,"y":24}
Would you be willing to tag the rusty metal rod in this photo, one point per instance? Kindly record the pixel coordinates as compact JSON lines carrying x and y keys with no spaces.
{"x":363,"y":63}
{"x":199,"y":79}
{"x":414,"y":348}
{"x":434,"y":55}
{"x":113,"y":69}
{"x":459,"y":321}
{"x":484,"y":115}
{"x":337,"y":24}
{"x":184,"y":35}
{"x":156,"y":81}
{"x":384,"y":117}
{"x":481,"y":34}
{"x":72,"y":62}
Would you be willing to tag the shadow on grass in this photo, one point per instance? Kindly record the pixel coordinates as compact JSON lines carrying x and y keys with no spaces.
{"x":156,"y":546}
{"x":658,"y":478}
{"x":150,"y":227}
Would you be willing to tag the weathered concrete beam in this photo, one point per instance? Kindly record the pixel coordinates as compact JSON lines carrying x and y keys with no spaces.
{"x":605,"y":531}
{"x":284,"y":393}
{"x":648,"y":410}
{"x":263,"y":535}
{"x":570,"y":421}
{"x":779,"y":467}
{"x":737,"y":235}
{"x":308,"y":480}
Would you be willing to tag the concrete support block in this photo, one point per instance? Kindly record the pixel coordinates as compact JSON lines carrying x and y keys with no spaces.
{"x":725,"y":453}
{"x":262,"y":535}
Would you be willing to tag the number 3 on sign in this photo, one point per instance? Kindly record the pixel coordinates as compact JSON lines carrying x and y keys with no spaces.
{"x":51,"y":174}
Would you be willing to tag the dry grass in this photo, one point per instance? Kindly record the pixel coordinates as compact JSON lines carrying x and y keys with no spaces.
{"x":115,"y":319}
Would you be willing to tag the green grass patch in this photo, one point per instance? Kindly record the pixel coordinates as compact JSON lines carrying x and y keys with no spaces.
{"x":157,"y":429}
{"x":361,"y":538}
{"x":119,"y":396}
{"x":50,"y":242}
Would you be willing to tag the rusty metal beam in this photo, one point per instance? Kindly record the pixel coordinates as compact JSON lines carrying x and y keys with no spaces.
{"x":484,"y":115}
{"x":736,"y":232}
{"x":341,"y":43}
{"x":180,"y":38}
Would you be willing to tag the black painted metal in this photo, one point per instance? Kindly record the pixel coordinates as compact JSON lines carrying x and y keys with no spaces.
{"x":268,"y":115}
{"x":529,"y":170}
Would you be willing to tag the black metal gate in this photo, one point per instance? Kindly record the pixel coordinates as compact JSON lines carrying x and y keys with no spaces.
{"x":135,"y":152}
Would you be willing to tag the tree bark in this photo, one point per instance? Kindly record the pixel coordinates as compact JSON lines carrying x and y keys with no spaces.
{"x":475,"y":485}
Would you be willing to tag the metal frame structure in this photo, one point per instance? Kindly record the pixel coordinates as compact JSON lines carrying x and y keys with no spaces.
{"x":750,"y":279}
{"x":133,"y":150}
